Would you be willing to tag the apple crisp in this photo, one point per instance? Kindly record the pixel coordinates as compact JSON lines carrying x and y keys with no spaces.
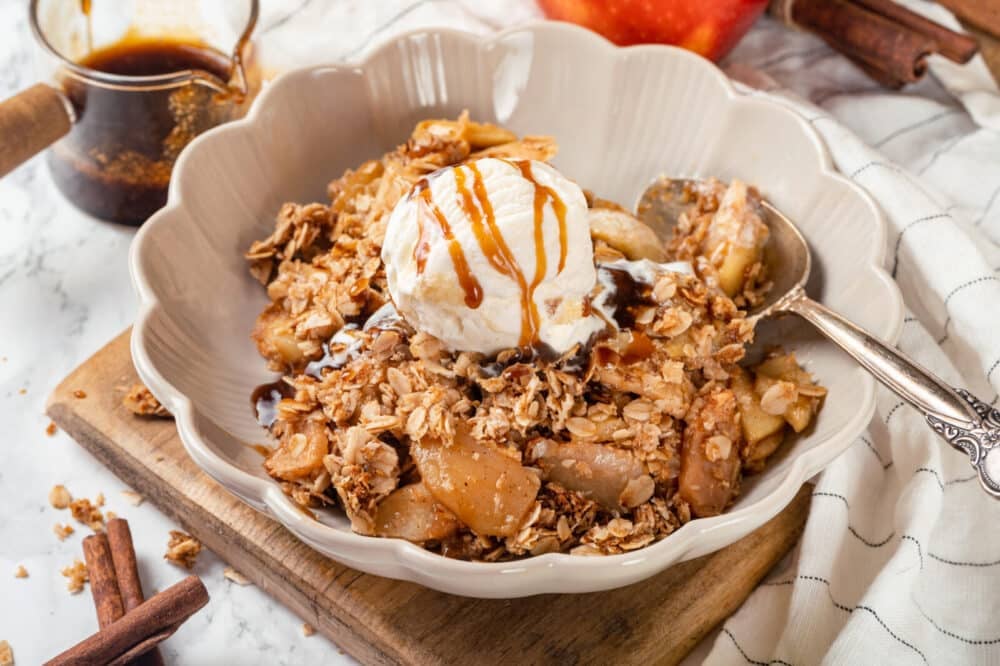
{"x":602,"y":449}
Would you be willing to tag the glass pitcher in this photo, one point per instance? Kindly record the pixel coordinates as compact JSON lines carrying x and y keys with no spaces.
{"x":131,"y":82}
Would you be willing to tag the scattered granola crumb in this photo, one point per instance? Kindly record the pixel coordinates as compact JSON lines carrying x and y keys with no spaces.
{"x":59,"y":497}
{"x":6,"y":654}
{"x":235,"y":576}
{"x":132,"y":497}
{"x":51,"y":429}
{"x":141,"y":402}
{"x":87,"y":514}
{"x":79,"y":394}
{"x":62,"y":531}
{"x":110,"y":515}
{"x":99,"y":500}
{"x":20,"y":572}
{"x":308,"y":630}
{"x":77,"y":575}
{"x":22,"y":391}
{"x":182,"y":549}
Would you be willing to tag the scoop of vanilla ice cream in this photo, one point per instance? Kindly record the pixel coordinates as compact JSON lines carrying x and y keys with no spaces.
{"x":463,"y":251}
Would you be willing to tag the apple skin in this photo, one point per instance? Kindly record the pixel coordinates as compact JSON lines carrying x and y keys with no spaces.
{"x":708,"y":27}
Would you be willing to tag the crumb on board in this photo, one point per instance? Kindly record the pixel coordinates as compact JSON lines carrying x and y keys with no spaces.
{"x":6,"y":653}
{"x":132,"y":497}
{"x":182,"y":549}
{"x":99,"y":500}
{"x":51,"y":429}
{"x":86,"y":513}
{"x":76,"y":575}
{"x":62,"y":531}
{"x":22,"y":391}
{"x":79,"y":394}
{"x":141,"y":402}
{"x":236,"y":577}
{"x":20,"y":572}
{"x":307,"y":629}
{"x":110,"y":515}
{"x":59,"y":497}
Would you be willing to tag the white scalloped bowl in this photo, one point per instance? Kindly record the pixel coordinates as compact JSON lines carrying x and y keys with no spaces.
{"x":621,"y":117}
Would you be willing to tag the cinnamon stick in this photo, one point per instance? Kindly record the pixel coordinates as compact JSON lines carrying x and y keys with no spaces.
{"x":864,"y":36}
{"x":983,"y":14}
{"x":952,"y":45}
{"x":103,"y":581}
{"x":140,"y":629}
{"x":889,"y":42}
{"x":127,"y":572}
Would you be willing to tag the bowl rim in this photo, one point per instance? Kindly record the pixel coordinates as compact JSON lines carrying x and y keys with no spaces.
{"x":264,"y":494}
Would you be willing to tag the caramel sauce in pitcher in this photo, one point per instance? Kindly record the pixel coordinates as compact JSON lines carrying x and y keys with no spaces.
{"x":116,"y":162}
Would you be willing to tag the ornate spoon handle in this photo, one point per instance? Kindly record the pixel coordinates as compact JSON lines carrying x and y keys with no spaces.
{"x":967,"y":423}
{"x":980,"y":442}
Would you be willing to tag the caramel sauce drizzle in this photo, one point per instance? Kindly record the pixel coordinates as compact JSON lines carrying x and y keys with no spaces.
{"x":265,"y":451}
{"x":496,"y":250}
{"x":470,"y":285}
{"x":558,"y":207}
{"x":491,"y":240}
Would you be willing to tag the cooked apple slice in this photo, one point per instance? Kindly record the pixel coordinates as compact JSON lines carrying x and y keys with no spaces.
{"x":756,"y":423}
{"x":757,"y":453}
{"x":784,"y":369}
{"x":626,"y":234}
{"x":300,"y":453}
{"x":733,"y":271}
{"x":609,"y":476}
{"x":487,"y":490}
{"x":710,"y":459}
{"x":412,"y":513}
{"x":736,"y":238}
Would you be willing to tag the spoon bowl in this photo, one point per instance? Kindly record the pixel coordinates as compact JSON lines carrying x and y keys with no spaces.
{"x":786,"y":255}
{"x":967,"y":423}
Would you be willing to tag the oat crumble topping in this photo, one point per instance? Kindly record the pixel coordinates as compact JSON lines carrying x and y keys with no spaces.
{"x":59,"y":497}
{"x":182,"y":549}
{"x":6,"y":652}
{"x":141,"y":402}
{"x":87,"y":513}
{"x":603,"y":450}
{"x":76,"y":575}
{"x":62,"y":531}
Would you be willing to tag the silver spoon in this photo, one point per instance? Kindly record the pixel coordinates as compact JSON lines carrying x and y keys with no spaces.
{"x":967,"y":423}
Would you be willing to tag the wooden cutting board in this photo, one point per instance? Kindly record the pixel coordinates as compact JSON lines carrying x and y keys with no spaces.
{"x":383,"y":621}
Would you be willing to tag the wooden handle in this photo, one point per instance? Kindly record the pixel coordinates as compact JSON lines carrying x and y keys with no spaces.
{"x":30,"y":122}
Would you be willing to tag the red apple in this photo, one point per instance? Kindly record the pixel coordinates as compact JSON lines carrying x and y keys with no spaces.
{"x":708,"y":27}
